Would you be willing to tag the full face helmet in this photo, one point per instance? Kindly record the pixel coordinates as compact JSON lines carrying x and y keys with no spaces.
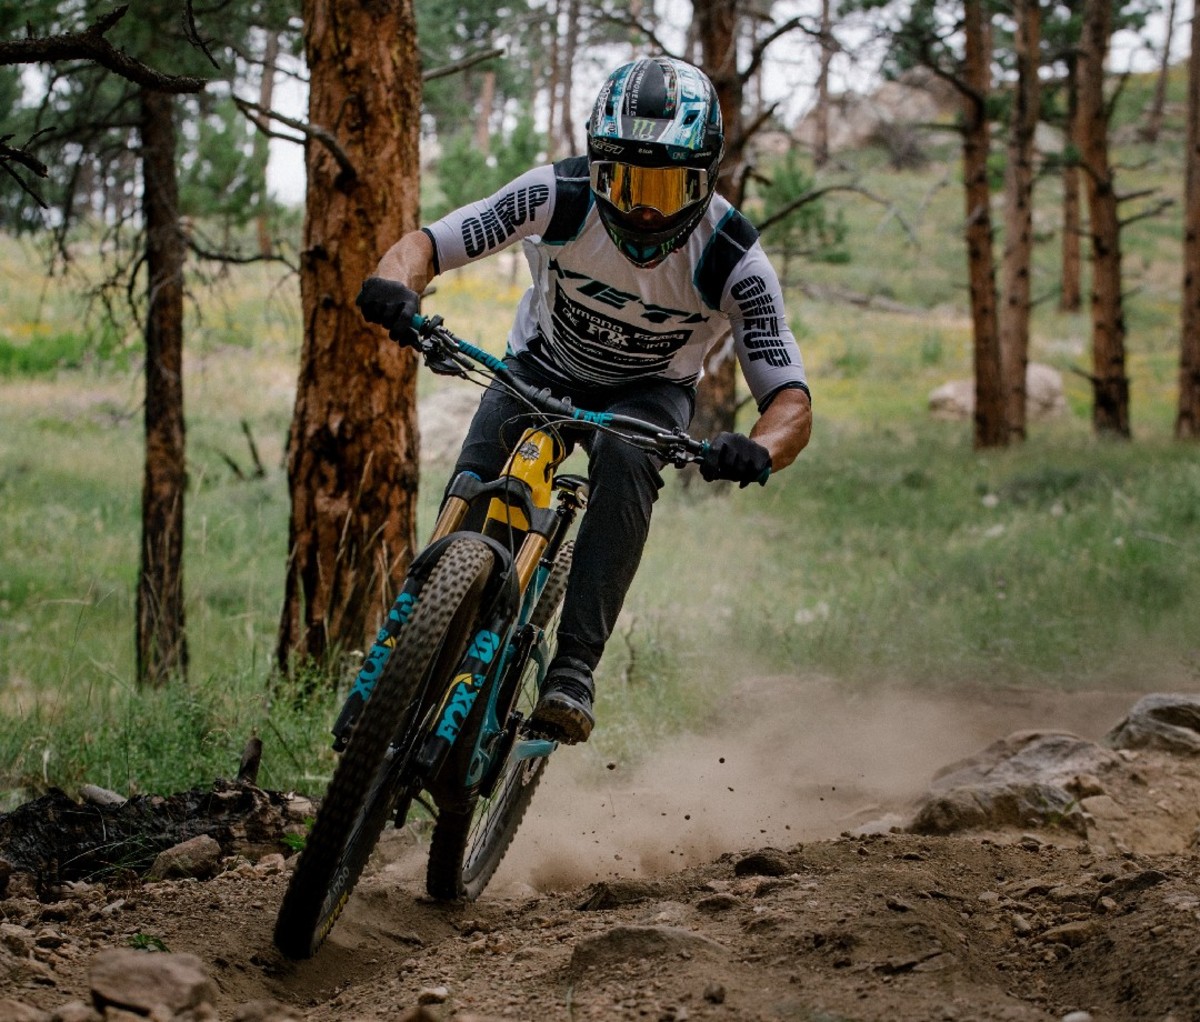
{"x":654,"y":150}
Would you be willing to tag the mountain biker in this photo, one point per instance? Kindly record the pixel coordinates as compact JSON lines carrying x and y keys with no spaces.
{"x":639,"y":269}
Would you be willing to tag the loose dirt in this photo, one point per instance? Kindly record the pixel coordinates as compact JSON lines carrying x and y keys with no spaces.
{"x":746,"y":873}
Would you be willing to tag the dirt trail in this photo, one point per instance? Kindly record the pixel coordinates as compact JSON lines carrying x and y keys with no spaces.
{"x":717,"y":882}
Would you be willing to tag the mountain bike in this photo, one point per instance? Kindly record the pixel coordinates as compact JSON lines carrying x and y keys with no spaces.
{"x":442,"y":703}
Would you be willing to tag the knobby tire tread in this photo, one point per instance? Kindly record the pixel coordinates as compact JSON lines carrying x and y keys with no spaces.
{"x":456,"y":839}
{"x":363,"y":789}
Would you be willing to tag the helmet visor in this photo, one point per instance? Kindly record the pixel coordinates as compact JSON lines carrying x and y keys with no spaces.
{"x":665,"y":189}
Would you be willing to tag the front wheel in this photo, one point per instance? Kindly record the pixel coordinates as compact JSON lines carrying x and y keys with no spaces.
{"x":370,"y":774}
{"x":467,"y":846}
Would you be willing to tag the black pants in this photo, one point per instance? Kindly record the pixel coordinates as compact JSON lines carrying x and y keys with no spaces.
{"x":623,"y":481}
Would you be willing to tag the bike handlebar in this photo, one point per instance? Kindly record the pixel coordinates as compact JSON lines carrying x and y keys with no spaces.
{"x":448,"y":353}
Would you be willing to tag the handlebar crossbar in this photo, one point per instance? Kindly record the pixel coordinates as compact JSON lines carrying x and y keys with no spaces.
{"x":444,"y":350}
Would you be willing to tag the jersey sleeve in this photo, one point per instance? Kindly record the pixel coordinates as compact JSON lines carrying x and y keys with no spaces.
{"x":766,"y":348}
{"x":521,"y":209}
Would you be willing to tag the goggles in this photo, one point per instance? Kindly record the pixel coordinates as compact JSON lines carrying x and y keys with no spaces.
{"x":665,"y":189}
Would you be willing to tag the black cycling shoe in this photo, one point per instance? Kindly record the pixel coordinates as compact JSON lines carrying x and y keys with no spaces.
{"x":564,"y":711}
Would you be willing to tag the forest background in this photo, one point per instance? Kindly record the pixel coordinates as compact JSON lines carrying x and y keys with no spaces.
{"x":898,"y":551}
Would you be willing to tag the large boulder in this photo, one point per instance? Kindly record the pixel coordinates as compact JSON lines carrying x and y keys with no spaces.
{"x":1044,"y":396}
{"x":1026,"y":780}
{"x":1167,"y":722}
{"x":147,"y":983}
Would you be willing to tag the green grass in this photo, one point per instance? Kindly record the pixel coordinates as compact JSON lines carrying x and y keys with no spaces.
{"x":891,"y":552}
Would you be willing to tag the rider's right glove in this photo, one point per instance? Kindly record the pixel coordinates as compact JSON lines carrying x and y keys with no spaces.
{"x":736,"y":457}
{"x":390,"y":304}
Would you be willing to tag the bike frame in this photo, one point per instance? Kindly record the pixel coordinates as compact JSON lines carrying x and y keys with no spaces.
{"x":519,"y":505}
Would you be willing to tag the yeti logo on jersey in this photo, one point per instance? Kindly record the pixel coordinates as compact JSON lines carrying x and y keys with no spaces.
{"x":615,"y":298}
{"x":763,"y":338}
{"x":495,"y":225}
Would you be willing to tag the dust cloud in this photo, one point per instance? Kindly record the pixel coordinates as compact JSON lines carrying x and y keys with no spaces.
{"x":788,"y":761}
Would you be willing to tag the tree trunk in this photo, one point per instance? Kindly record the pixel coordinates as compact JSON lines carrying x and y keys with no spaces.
{"x":553,"y":86}
{"x":1018,"y":216}
{"x":483,"y":116}
{"x":716,"y":26}
{"x":1070,"y":297}
{"x":990,"y":426}
{"x":821,"y":113}
{"x":1187,"y":423}
{"x":352,"y":456}
{"x":161,"y":635}
{"x":266,"y":95}
{"x":570,"y":49}
{"x":1154,"y":116}
{"x":1110,"y":385}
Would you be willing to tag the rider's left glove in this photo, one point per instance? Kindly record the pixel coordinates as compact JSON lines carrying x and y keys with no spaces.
{"x":390,"y":304}
{"x":736,"y":457}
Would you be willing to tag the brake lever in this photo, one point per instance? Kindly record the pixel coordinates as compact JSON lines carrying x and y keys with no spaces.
{"x":440,"y":363}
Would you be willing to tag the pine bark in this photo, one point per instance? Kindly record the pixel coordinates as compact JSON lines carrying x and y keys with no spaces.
{"x":1154,"y":116}
{"x":821,"y":113}
{"x":1018,"y":216}
{"x":990,"y":426}
{"x":1187,"y":422}
{"x":1070,"y":297}
{"x":1110,"y":384}
{"x":353,"y":447}
{"x":716,"y":26}
{"x":161,"y":632}
{"x":266,"y":95}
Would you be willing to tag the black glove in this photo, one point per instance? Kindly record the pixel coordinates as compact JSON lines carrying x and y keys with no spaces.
{"x":736,"y":457}
{"x":392,"y":305}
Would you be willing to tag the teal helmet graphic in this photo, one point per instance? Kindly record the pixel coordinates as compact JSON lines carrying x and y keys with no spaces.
{"x":654,"y":151}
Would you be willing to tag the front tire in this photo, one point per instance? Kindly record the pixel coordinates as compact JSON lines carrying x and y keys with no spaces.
{"x":370,"y":774}
{"x":467,"y":846}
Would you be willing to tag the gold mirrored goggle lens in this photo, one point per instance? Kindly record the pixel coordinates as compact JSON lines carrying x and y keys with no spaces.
{"x":666,"y":189}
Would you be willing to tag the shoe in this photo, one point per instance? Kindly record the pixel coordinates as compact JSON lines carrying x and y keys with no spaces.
{"x":564,"y":710}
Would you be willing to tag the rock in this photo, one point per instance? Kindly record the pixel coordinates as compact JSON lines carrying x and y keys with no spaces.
{"x":1044,"y":396}
{"x":1132,"y":883}
{"x":1169,"y":723}
{"x":638,"y":943}
{"x":1000,"y":804}
{"x":914,"y":100}
{"x":613,"y":893}
{"x":18,"y":939}
{"x":767,"y":862}
{"x":16,"y":1011}
{"x":1018,"y":781}
{"x":1104,"y":808}
{"x":145,"y":982}
{"x":98,"y":796}
{"x":264,"y":1011}
{"x":444,"y":416}
{"x":433,"y":995}
{"x":1070,"y":934}
{"x":76,"y":1011}
{"x":420,"y":1014}
{"x":1085,"y":786}
{"x":198,"y":857}
{"x":717,"y":903}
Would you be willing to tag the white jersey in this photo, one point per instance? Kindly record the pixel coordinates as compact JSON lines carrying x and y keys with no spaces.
{"x":591,"y":317}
